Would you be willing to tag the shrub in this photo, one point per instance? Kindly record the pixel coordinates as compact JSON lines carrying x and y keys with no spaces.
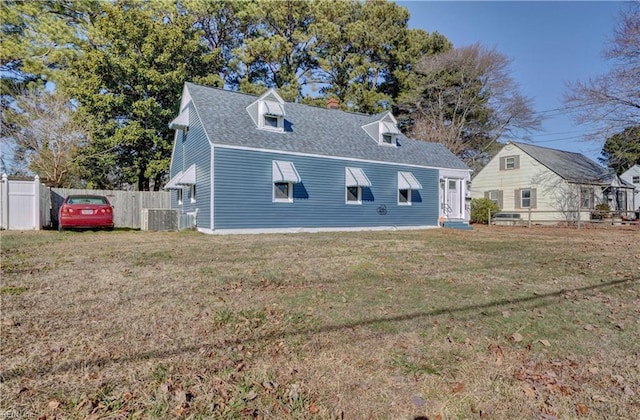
{"x":480,"y":208}
{"x":601,"y":211}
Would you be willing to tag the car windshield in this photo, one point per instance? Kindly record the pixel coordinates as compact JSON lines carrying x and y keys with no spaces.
{"x":87,"y":200}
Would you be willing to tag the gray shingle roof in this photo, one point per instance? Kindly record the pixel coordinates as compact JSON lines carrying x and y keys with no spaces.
{"x":573,"y":167}
{"x":309,"y":130}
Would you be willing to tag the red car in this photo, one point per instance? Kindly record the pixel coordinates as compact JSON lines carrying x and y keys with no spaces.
{"x":85,"y":212}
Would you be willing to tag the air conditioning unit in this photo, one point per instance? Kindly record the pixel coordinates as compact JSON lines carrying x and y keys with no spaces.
{"x":160,"y":219}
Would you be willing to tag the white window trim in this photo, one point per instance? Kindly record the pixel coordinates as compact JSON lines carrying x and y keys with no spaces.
{"x":409,"y":194}
{"x":508,"y":159}
{"x":180,"y":198}
{"x":192,"y":193}
{"x":359,"y":195}
{"x":262,"y":123}
{"x":289,"y":198}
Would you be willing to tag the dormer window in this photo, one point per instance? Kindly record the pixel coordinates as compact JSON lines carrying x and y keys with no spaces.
{"x":270,"y":121}
{"x":388,"y":132}
{"x":384,"y":131}
{"x":268,"y":112}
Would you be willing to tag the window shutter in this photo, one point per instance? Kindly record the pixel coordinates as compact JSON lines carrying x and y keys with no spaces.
{"x":487,"y":194}
{"x":516,"y":202}
{"x":516,"y":162}
{"x":502,"y":163}
{"x":534,"y":198}
{"x":500,"y":203}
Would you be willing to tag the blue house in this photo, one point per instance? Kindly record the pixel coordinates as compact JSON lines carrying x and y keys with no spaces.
{"x":247,"y":164}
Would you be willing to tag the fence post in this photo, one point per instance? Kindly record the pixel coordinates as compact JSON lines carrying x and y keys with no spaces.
{"x":529,"y":217}
{"x":4,"y":203}
{"x":37,"y":225}
{"x":489,"y":217}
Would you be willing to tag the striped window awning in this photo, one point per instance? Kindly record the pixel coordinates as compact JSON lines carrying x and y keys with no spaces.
{"x":285,"y":172}
{"x":273,"y":108}
{"x":389,"y":128}
{"x":171,"y":185}
{"x":355,"y":177}
{"x":181,"y":121}
{"x":188,"y":177}
{"x":406,"y":181}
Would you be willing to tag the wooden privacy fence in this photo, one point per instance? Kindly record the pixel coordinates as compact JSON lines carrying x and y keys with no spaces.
{"x":127,"y":205}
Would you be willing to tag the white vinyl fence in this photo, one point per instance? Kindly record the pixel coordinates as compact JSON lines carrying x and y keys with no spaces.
{"x":26,"y":204}
{"x":23,"y":203}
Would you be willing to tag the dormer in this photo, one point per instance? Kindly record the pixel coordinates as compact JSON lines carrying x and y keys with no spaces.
{"x":384,"y":131}
{"x":267,"y":112}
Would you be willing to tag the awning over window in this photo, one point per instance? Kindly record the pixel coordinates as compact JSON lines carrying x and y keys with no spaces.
{"x":188,"y":177}
{"x":406,"y":181}
{"x":171,"y":185}
{"x":389,"y":128}
{"x":181,"y":121}
{"x":273,"y":108}
{"x":355,"y":177}
{"x":285,"y":172}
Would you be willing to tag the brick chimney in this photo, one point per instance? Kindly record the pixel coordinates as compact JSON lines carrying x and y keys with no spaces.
{"x":333,"y":103}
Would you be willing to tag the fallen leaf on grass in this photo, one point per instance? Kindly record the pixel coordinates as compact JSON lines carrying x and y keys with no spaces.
{"x":582,"y":409}
{"x":528,"y":391}
{"x":516,"y":337}
{"x":457,"y":387}
{"x":589,"y":327}
{"x":545,"y":343}
{"x":313,"y":408}
{"x":53,"y":404}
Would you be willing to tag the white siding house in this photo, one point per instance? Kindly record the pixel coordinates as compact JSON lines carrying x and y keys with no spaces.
{"x":552,"y":185}
{"x":632,"y":176}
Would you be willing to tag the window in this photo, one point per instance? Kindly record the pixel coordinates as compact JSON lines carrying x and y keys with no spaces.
{"x":388,"y":133}
{"x":272,"y":116}
{"x":404,"y":197}
{"x":636,"y":179}
{"x":179,"y":191}
{"x":585,"y":197}
{"x":354,"y":195}
{"x":509,"y":163}
{"x":406,"y":184}
{"x":270,"y":121}
{"x":525,"y":198}
{"x":284,"y":176}
{"x":192,"y":193}
{"x":283,"y":192}
{"x":355,"y":180}
{"x":495,"y":196}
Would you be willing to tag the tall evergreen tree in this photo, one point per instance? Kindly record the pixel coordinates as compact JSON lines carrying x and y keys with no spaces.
{"x":128,"y":85}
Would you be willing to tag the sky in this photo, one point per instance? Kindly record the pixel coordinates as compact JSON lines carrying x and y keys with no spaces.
{"x":549,"y":44}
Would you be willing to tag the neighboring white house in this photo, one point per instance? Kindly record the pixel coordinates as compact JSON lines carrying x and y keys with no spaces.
{"x":553,"y":185}
{"x":632,"y":176}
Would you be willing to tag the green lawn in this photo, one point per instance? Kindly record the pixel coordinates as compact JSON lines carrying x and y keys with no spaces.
{"x":491,"y":323}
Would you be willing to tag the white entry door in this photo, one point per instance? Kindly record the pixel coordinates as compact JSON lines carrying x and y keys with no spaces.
{"x":451,"y":196}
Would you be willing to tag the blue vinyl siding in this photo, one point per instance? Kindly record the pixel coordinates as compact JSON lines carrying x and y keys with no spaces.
{"x":243,"y":194}
{"x":194,"y":148}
